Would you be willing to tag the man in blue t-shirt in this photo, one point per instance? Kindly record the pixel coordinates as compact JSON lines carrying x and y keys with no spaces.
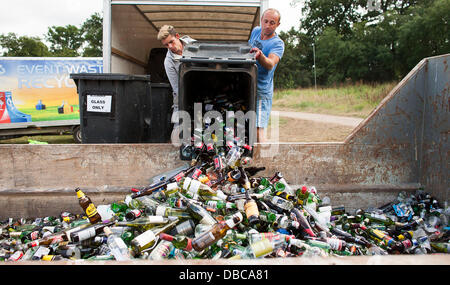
{"x":268,"y":49}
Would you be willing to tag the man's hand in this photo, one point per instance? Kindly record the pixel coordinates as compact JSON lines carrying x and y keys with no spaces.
{"x":266,"y":62}
{"x":257,"y":52}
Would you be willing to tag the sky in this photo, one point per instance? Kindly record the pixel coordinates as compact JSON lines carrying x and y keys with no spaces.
{"x":34,"y":17}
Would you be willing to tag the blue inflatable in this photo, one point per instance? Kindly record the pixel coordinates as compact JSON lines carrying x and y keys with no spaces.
{"x":15,"y":115}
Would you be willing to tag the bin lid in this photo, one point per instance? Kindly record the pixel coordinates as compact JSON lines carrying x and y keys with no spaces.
{"x":109,"y":76}
{"x":219,"y":52}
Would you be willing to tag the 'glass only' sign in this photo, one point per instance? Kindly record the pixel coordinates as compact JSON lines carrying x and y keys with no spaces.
{"x":99,"y":103}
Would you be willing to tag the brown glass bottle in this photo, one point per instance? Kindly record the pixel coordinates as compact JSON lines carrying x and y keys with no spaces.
{"x":88,"y":207}
{"x":217,"y":232}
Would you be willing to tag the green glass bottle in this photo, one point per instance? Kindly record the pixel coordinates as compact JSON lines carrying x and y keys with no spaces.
{"x":179,"y":241}
{"x":219,"y":204}
{"x":119,"y":207}
{"x":146,"y":223}
{"x":147,"y":239}
{"x":381,"y":219}
{"x":199,"y":213}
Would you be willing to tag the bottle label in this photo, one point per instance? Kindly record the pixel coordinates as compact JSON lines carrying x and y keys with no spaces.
{"x":160,"y":211}
{"x":80,"y":194}
{"x":262,"y":248}
{"x":41,"y":251}
{"x":195,"y":185}
{"x":136,"y":212}
{"x":251,"y":209}
{"x":179,"y":176}
{"x":196,"y":174}
{"x":186,"y":183}
{"x":91,"y":210}
{"x":335,"y":244}
{"x":34,"y":235}
{"x":47,"y":257}
{"x":87,"y":233}
{"x":161,"y":251}
{"x":213,"y":204}
{"x":158,"y":219}
{"x":205,"y":240}
{"x":145,"y":238}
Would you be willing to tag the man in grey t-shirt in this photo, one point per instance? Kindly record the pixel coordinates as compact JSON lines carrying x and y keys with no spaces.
{"x":174,"y":44}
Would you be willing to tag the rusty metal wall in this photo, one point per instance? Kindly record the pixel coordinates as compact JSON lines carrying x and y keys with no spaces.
{"x":434,"y":168}
{"x":41,"y":179}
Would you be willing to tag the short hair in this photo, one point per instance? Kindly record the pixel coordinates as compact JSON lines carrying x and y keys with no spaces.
{"x":165,"y":31}
{"x":273,"y":10}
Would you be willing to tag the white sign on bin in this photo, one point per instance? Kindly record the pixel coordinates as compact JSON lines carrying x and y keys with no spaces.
{"x":99,"y":103}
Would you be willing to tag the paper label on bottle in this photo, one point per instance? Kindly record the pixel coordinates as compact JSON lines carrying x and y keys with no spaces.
{"x":262,"y":248}
{"x":41,"y":251}
{"x":145,"y":238}
{"x":172,"y":186}
{"x":161,"y":251}
{"x":87,"y":233}
{"x":91,"y":210}
{"x":160,"y":211}
{"x":205,"y":240}
{"x":186,"y":183}
{"x":195,"y":185}
{"x":48,"y":257}
{"x":34,"y":235}
{"x":159,"y":219}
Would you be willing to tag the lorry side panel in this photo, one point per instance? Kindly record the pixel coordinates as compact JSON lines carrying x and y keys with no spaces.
{"x":38,"y":92}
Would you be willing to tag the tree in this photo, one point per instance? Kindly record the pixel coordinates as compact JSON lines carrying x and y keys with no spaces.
{"x":92,"y":31}
{"x":65,"y":41}
{"x":294,"y":70}
{"x":22,"y":46}
{"x":425,"y":33}
{"x":340,"y":15}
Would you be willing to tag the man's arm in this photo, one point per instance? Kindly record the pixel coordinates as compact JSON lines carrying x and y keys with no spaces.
{"x":172,"y":74}
{"x":268,"y":62}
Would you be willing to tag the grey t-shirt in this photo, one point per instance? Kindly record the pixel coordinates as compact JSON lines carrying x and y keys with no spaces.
{"x":172,"y":66}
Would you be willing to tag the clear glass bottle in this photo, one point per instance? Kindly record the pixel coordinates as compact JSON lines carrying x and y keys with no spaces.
{"x":117,"y":246}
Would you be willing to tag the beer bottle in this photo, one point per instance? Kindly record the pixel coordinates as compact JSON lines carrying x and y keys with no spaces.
{"x":251,"y":210}
{"x":88,"y":207}
{"x":217,"y":232}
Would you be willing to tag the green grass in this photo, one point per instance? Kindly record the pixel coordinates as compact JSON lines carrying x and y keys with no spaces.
{"x":356,"y":100}
{"x":50,"y":139}
{"x":50,"y":114}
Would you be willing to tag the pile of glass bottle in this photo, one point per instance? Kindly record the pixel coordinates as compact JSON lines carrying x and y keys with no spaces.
{"x":219,"y":207}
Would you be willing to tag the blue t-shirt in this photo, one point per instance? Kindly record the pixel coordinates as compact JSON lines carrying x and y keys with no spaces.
{"x":265,"y":77}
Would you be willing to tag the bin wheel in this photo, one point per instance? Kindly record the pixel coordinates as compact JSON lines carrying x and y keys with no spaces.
{"x":77,"y":134}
